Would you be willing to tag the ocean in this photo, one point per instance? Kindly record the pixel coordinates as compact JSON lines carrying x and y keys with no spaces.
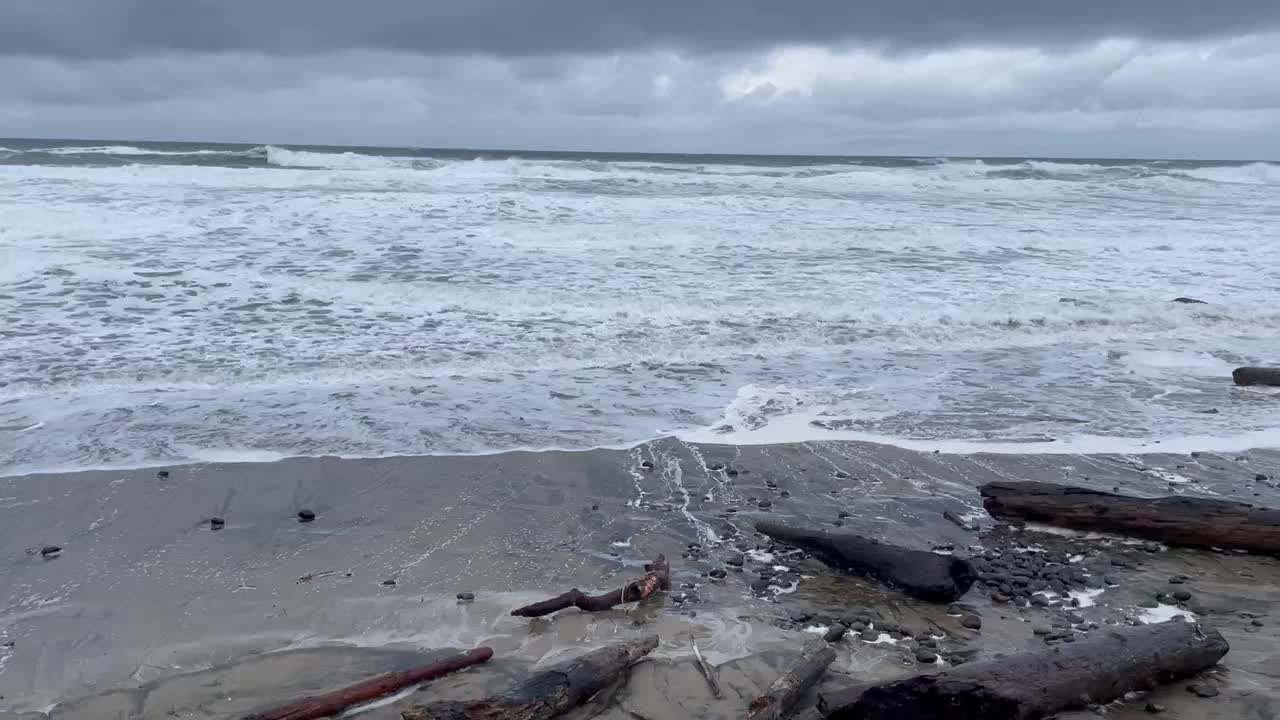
{"x":163,"y":303}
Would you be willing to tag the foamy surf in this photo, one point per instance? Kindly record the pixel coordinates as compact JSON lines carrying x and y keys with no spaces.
{"x":167,"y":302}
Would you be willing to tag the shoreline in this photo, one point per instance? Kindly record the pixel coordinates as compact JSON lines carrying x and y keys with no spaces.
{"x":145,"y":591}
{"x":789,"y":433}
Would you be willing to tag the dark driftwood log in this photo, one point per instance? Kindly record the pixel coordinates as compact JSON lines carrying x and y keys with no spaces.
{"x":545,"y":694}
{"x":1194,"y":522}
{"x":333,"y":703}
{"x":657,"y":577}
{"x":778,"y":701}
{"x":926,"y":575}
{"x":1256,"y":376}
{"x":1034,"y":685}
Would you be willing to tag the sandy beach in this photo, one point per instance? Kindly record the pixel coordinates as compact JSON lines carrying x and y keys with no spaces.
{"x":149,"y":613}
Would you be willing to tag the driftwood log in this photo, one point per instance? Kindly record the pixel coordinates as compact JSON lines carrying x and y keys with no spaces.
{"x":926,"y":575}
{"x":1256,"y":376}
{"x":333,"y":703}
{"x":546,"y":694}
{"x":780,"y":699}
{"x":707,"y":673}
{"x":657,"y":577}
{"x":1189,"y":521}
{"x":1034,"y":685}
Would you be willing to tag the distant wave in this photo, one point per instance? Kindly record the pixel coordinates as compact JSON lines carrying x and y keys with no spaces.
{"x":762,"y":172}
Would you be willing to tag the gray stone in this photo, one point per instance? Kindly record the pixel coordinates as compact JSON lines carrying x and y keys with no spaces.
{"x":972,"y":622}
{"x":926,"y":656}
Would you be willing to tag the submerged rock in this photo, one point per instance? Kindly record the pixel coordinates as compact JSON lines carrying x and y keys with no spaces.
{"x":306,"y":516}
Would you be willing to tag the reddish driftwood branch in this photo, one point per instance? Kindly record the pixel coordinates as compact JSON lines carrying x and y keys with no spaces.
{"x":546,"y":694}
{"x":333,"y":703}
{"x":657,"y":577}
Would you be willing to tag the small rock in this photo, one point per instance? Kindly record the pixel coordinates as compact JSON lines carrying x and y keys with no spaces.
{"x":306,"y":516}
{"x":388,"y":583}
{"x":973,"y":622}
{"x":1195,"y":453}
{"x":926,"y":656}
{"x":835,"y":634}
{"x":999,"y":597}
{"x":1039,"y":600}
{"x":645,"y":464}
{"x":1110,"y":580}
{"x":1257,"y":623}
{"x":842,"y":475}
{"x":731,"y":472}
{"x":1154,"y":708}
{"x":870,"y":635}
{"x":1261,"y":478}
{"x":1181,"y":596}
{"x":1177,"y":579}
{"x":217,"y":523}
{"x":718,"y":573}
{"x":1204,"y":691}
{"x":735,"y":561}
{"x":1209,"y":411}
{"x":1041,"y":630}
{"x":761,"y":585}
{"x":800,"y":616}
{"x":1189,"y":301}
{"x":715,"y":466}
{"x":595,"y":506}
{"x":784,"y":493}
{"x":842,"y":514}
{"x":731,"y":510}
{"x":49,"y":551}
{"x":765,"y":504}
{"x":466,"y":596}
{"x":162,"y":474}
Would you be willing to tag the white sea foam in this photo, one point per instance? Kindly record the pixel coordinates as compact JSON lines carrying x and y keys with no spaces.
{"x":362,"y":304}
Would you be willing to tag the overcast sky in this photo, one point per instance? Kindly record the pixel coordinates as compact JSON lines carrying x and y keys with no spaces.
{"x":1145,"y":78}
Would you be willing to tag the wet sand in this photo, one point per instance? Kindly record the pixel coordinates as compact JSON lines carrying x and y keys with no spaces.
{"x":148,"y":612}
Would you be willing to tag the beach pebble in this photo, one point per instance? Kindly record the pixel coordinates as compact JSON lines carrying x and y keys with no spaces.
{"x":784,"y":493}
{"x":49,"y":551}
{"x":800,"y":616}
{"x":1154,"y":708}
{"x":715,"y":466}
{"x":765,"y":504}
{"x":842,"y":514}
{"x":735,"y":561}
{"x":842,"y":475}
{"x":972,"y":622}
{"x":388,"y":583}
{"x":466,"y":596}
{"x":926,"y":656}
{"x":835,"y":634}
{"x":645,"y":464}
{"x":1204,"y":691}
{"x":1261,"y":478}
{"x":999,"y":597}
{"x":761,"y":585}
{"x":162,"y":474}
{"x":718,"y":573}
{"x":1178,"y":579}
{"x":731,"y":472}
{"x":306,"y":516}
{"x":1041,"y":630}
{"x":1181,"y":596}
{"x":870,"y":635}
{"x":217,"y":523}
{"x":1257,"y":623}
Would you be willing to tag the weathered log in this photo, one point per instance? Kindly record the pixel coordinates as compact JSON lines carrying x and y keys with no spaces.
{"x":333,"y":703}
{"x":780,"y":699}
{"x":1177,"y":520}
{"x":1034,"y":685}
{"x":707,"y":673}
{"x":546,"y":694}
{"x":926,"y":575}
{"x":955,"y":519}
{"x":657,"y":577}
{"x":1256,"y":376}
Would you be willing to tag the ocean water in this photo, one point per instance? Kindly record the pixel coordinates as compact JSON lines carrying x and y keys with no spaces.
{"x":164,"y":302}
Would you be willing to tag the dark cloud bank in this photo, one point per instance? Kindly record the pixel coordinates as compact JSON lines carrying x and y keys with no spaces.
{"x":1138,"y":78}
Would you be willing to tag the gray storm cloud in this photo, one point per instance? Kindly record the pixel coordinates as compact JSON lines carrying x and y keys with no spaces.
{"x":1144,"y":78}
{"x":116,"y":28}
